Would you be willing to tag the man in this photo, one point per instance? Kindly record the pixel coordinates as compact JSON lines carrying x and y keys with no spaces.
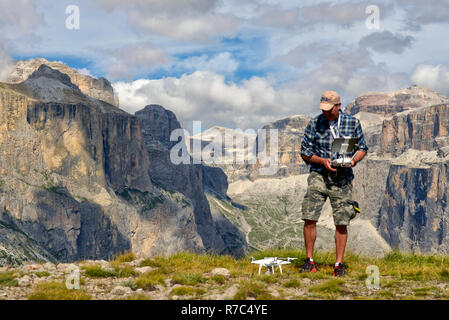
{"x":326,"y":181}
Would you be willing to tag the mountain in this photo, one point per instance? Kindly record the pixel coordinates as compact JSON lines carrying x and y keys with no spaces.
{"x":78,"y":180}
{"x":391,"y":103}
{"x":100,"y":89}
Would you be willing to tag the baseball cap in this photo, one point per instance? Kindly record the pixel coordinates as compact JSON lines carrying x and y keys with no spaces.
{"x":328,"y":100}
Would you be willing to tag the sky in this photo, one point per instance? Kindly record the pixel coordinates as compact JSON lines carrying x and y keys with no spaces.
{"x":233,"y":63}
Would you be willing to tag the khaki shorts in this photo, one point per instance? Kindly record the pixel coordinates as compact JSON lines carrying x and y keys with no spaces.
{"x":337,"y":188}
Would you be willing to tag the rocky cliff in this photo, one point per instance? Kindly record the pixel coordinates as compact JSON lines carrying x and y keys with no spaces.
{"x":100,"y":89}
{"x":390,"y":103}
{"x":76,"y":180}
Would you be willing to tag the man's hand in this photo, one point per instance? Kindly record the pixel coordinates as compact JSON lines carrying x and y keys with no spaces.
{"x":327,"y":164}
{"x":358,"y":157}
{"x":318,"y":160}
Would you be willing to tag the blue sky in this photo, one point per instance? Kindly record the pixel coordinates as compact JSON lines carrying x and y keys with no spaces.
{"x":236,"y":63}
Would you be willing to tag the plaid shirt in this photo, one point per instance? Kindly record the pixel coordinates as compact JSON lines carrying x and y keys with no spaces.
{"x":318,"y":140}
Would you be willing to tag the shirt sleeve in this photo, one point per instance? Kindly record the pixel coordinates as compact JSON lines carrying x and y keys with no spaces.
{"x":361,"y":143}
{"x":307,"y":142}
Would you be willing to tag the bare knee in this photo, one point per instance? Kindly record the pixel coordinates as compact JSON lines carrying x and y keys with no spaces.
{"x":341,"y":229}
{"x":309,"y":224}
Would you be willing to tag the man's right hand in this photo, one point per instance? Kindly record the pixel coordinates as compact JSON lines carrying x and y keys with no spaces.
{"x":321,"y":161}
{"x":327,"y":164}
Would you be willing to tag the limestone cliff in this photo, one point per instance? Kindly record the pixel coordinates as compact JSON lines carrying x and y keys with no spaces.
{"x":100,"y":89}
{"x":76,"y":179}
{"x":390,"y":103}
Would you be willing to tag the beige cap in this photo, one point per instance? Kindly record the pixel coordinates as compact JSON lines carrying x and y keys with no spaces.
{"x":328,"y":100}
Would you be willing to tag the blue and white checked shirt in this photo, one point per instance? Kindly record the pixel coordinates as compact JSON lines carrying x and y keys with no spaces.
{"x":318,"y":140}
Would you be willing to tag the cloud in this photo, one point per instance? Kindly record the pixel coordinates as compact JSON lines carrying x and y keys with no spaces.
{"x":222,"y":63}
{"x":317,"y":15}
{"x":206,"y":96}
{"x":386,"y":41}
{"x":348,"y":69}
{"x":19,"y":17}
{"x":135,"y":59}
{"x":432,"y":77}
{"x":419,"y":13}
{"x":6,"y":65}
{"x":190,"y":20}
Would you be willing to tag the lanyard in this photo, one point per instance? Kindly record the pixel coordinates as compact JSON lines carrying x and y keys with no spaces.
{"x":338,"y":127}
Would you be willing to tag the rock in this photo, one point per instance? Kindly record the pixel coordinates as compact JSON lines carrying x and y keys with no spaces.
{"x":49,"y":266}
{"x":25,"y":281}
{"x":143,"y":270}
{"x":120,"y":290}
{"x":67,"y":267}
{"x":100,"y":89}
{"x":220,"y":272}
{"x":306,"y":281}
{"x":168,"y":282}
{"x":231,"y":292}
{"x":136,"y":263}
{"x":393,"y":102}
{"x":91,"y":174}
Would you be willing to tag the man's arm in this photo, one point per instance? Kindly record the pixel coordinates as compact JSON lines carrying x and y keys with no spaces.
{"x":361,"y":144}
{"x":307,"y":149}
{"x":325,"y":162}
{"x":360,"y":154}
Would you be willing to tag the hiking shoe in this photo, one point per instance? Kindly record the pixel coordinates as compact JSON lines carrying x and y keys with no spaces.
{"x":308,"y":266}
{"x":340,"y":270}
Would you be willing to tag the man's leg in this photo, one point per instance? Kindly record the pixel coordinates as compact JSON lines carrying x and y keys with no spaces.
{"x":311,"y":209}
{"x":309,"y":236}
{"x":341,"y":236}
{"x":340,"y":196}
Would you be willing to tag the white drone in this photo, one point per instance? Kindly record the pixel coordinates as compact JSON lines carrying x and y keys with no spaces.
{"x":271,"y":262}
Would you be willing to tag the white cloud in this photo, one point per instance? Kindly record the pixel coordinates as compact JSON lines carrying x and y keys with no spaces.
{"x":206,"y":96}
{"x":432,"y":77}
{"x":135,"y":59}
{"x":6,"y":65}
{"x":192,"y":20}
{"x":19,"y":16}
{"x":220,"y":63}
{"x":85,"y":71}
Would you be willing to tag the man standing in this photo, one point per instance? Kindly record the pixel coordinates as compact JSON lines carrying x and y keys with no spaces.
{"x":326,"y":181}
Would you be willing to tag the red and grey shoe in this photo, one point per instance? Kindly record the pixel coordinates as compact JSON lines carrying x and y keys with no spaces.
{"x":340,"y":270}
{"x":308,"y":266}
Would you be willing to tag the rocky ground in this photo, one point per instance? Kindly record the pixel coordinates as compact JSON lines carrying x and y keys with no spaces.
{"x":205,"y":277}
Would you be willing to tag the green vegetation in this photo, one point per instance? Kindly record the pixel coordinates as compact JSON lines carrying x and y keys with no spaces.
{"x":97,"y":271}
{"x":188,"y":276}
{"x":7,"y":279}
{"x":57,"y":291}
{"x":142,"y":200}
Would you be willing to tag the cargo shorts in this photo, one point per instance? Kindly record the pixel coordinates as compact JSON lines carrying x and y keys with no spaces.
{"x":337,"y":188}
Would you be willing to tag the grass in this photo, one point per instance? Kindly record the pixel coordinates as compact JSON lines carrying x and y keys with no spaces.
{"x":97,"y":271}
{"x":398,"y":272}
{"x":57,"y":291}
{"x":149,"y":280}
{"x":7,"y":279}
{"x":186,"y":291}
{"x":402,"y":276}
